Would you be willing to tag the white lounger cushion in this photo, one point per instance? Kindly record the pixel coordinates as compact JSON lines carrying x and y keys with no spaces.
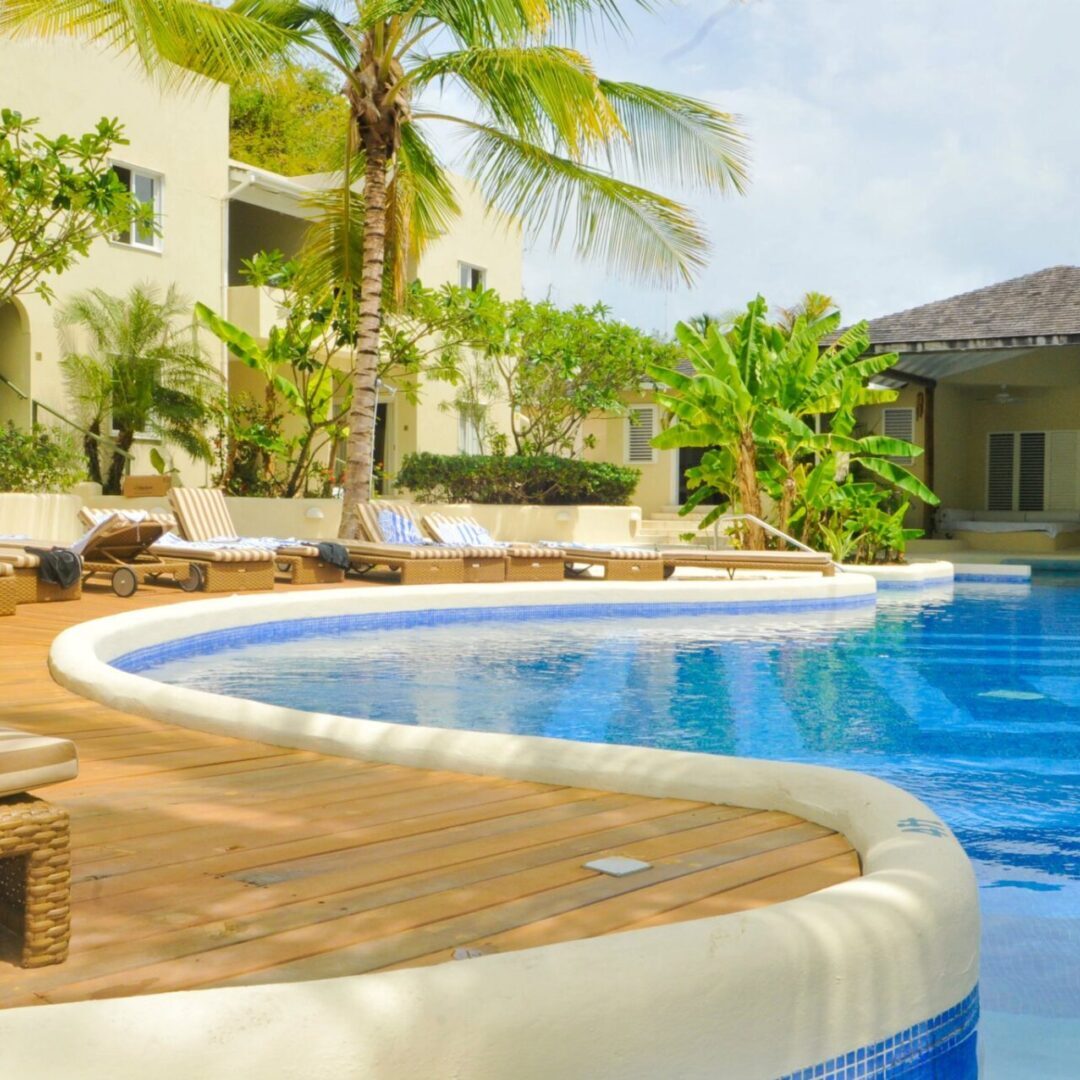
{"x":29,"y":761}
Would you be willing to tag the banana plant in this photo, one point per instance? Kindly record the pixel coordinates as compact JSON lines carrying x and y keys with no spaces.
{"x":749,"y":400}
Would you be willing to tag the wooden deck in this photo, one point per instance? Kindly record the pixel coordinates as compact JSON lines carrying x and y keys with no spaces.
{"x":206,"y":861}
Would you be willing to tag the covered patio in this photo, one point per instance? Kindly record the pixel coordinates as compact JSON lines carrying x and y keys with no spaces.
{"x":989,"y":384}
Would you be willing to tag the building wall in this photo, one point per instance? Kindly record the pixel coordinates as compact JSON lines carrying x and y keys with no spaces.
{"x":657,"y":490}
{"x":183,"y":136}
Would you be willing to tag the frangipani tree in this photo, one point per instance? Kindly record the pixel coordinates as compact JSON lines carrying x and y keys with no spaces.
{"x":750,"y":400}
{"x":546,"y":139}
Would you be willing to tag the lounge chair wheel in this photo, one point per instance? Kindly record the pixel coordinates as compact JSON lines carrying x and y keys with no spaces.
{"x":194,"y":580}
{"x":124,"y":581}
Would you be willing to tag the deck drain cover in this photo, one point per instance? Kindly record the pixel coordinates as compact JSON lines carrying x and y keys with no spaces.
{"x":618,"y":866}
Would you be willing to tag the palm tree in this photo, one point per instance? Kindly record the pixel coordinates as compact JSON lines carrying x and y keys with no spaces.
{"x":141,"y":371}
{"x":546,"y":139}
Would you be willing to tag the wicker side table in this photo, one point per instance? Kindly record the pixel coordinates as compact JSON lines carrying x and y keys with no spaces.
{"x":35,"y":878}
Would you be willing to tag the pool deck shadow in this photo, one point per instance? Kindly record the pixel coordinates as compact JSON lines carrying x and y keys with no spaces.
{"x":200,"y":860}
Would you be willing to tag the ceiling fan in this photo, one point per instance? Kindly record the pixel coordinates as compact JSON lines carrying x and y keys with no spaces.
{"x":1003,"y":397}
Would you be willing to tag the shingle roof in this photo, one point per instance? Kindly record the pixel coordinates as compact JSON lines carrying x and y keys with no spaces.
{"x":1046,"y":303}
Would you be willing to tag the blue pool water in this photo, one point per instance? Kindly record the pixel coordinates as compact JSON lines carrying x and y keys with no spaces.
{"x":970,"y":699}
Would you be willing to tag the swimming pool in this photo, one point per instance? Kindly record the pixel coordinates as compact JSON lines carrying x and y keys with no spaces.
{"x":970,"y":700}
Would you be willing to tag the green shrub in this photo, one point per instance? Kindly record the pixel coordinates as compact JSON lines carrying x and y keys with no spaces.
{"x":40,"y":460}
{"x":540,"y":481}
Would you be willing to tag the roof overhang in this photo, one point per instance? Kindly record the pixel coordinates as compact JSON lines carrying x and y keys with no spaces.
{"x":936,"y":360}
{"x":268,"y":190}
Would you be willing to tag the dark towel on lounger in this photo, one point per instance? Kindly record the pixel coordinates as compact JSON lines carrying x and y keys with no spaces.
{"x":334,"y":554}
{"x":59,"y":566}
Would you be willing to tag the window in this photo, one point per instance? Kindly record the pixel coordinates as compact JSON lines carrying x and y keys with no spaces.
{"x":146,"y":187}
{"x":473,"y":277}
{"x":641,"y":427}
{"x":899,"y":424}
{"x":1021,"y":466}
{"x":470,"y":421}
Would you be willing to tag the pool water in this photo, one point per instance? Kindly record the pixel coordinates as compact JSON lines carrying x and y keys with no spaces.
{"x":970,"y":699}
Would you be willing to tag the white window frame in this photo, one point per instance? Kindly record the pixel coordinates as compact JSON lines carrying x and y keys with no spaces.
{"x":465,"y":270}
{"x":654,"y":454}
{"x":156,"y":247}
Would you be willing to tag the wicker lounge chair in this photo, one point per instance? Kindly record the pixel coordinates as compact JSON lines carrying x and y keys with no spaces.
{"x":118,"y":546}
{"x":7,"y":589}
{"x":418,"y":560}
{"x":817,"y":562}
{"x":203,"y":516}
{"x":618,"y":563}
{"x":35,"y":858}
{"x":524,"y":562}
{"x":29,"y":588}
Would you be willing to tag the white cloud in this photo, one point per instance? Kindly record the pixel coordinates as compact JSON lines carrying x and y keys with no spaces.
{"x":903,"y":151}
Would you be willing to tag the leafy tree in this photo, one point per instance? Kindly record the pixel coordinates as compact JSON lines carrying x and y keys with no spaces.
{"x":44,"y":459}
{"x":277,"y":446}
{"x":131,"y":366}
{"x":749,"y":400}
{"x":555,"y":367}
{"x":546,"y":139}
{"x":291,"y":121}
{"x":57,"y":196}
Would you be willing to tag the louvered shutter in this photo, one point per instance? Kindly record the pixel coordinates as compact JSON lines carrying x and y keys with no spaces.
{"x":641,"y":427}
{"x":1031,"y":493}
{"x":1063,"y":470}
{"x":999,"y":471}
{"x":899,"y":424}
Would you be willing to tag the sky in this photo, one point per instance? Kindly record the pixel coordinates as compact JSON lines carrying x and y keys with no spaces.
{"x":902,"y":150}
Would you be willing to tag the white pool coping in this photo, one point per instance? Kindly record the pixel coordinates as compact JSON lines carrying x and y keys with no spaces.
{"x":753,"y":994}
{"x":906,"y":575}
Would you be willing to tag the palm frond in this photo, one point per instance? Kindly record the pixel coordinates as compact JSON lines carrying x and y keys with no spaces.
{"x":627,"y":227}
{"x":543,"y":93}
{"x":673,"y":137}
{"x":421,"y":204}
{"x":172,"y":40}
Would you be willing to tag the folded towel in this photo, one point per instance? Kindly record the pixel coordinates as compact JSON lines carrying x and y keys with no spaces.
{"x":58,"y":566}
{"x":334,"y":554}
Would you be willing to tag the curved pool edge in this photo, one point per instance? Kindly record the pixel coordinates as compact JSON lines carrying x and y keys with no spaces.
{"x":766,"y":992}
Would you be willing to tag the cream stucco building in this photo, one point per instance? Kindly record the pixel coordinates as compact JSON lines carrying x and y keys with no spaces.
{"x":213,"y":213}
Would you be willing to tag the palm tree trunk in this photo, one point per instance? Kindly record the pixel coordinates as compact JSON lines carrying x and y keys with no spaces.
{"x":115,"y":478}
{"x":361,"y":444}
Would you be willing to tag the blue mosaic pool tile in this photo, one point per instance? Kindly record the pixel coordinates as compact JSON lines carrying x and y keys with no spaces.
{"x":296,"y":629}
{"x":939,"y":1049}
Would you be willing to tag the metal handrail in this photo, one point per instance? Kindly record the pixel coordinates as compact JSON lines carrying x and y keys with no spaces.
{"x":772,"y":530}
{"x":36,"y":406}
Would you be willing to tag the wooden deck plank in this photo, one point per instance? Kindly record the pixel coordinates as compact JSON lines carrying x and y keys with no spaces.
{"x":203,"y":860}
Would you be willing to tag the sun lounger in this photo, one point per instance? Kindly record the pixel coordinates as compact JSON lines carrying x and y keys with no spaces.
{"x":203,"y":516}
{"x":818,"y":562}
{"x":524,"y":562}
{"x":7,"y":590}
{"x":25,"y":567}
{"x":393,"y":537}
{"x":35,"y":857}
{"x":618,"y":563}
{"x":118,"y":546}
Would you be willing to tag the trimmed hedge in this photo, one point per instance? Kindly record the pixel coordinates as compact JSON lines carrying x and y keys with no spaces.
{"x":539,"y":481}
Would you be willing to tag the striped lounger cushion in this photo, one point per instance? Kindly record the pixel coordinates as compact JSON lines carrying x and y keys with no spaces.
{"x":458,"y":531}
{"x":204,"y":515}
{"x":387,"y":523}
{"x":173,"y":546}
